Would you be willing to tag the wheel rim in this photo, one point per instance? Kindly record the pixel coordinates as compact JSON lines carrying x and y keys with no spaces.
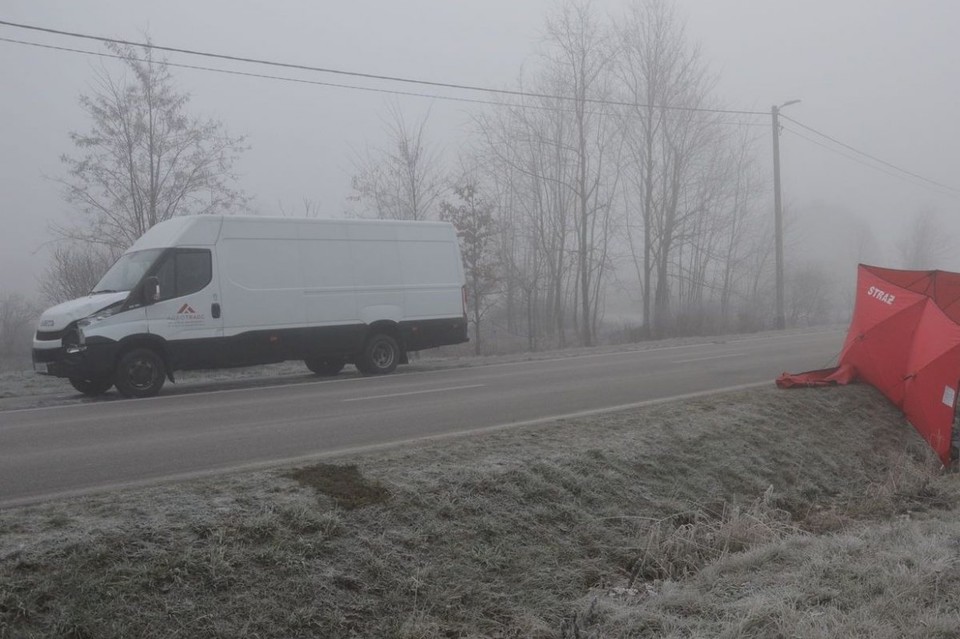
{"x":142,"y":373}
{"x":382,"y":355}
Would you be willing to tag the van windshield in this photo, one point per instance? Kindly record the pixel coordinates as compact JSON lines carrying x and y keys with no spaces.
{"x":126,"y":271}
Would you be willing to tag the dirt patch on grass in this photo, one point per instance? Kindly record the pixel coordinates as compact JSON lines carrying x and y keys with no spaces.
{"x":344,"y":484}
{"x":758,"y":513}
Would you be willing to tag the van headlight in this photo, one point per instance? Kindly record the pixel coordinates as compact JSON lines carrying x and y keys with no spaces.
{"x":75,"y":340}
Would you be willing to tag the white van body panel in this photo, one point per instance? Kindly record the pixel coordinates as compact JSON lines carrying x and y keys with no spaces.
{"x":116,"y":327}
{"x":58,"y":317}
{"x":196,"y":230}
{"x":316,"y":272}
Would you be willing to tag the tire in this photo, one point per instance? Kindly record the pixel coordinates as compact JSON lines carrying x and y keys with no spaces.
{"x":91,"y":387}
{"x":380,"y":355}
{"x":140,"y":373}
{"x":326,"y":367}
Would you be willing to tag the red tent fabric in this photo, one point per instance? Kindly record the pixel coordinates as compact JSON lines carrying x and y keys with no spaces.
{"x":904,"y":339}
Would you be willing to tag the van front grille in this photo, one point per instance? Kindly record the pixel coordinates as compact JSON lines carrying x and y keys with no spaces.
{"x":49,"y":336}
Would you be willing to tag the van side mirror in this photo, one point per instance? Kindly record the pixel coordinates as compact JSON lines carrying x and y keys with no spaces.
{"x":151,"y":290}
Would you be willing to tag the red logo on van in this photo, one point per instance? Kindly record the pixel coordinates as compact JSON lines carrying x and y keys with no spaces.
{"x":187,"y":316}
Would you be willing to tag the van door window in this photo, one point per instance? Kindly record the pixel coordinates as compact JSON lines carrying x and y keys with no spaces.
{"x":194,"y":270}
{"x":184,"y":271}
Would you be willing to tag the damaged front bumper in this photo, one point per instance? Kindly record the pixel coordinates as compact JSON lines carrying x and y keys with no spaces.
{"x":90,"y":360}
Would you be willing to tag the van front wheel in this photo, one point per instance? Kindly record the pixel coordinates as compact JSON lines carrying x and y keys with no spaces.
{"x":140,"y":373}
{"x":380,"y":355}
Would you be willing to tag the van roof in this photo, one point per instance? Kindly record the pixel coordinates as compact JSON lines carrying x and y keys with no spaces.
{"x":204,"y":230}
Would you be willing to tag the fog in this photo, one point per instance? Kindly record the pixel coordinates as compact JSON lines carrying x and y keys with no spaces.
{"x":879,"y":76}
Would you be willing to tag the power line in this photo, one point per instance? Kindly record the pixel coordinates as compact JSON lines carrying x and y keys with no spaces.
{"x":848,"y":156}
{"x":859,"y":161}
{"x":259,"y":75}
{"x":871,"y":157}
{"x":372,"y":76}
{"x":462,"y":87}
{"x":337,"y":85}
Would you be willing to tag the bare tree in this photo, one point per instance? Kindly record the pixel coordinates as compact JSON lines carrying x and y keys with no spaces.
{"x":529,"y":164}
{"x":582,"y":60}
{"x":810,"y":293}
{"x":402,"y":181}
{"x":664,"y":179}
{"x":17,"y":318}
{"x":672,"y":143}
{"x":923,"y":243}
{"x":755,"y":309}
{"x":476,"y":226}
{"x":311,"y":209}
{"x":556,"y":155}
{"x":144,"y":160}
{"x":726,"y":230}
{"x":73,"y":270}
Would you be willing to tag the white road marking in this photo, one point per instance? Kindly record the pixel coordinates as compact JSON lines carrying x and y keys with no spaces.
{"x":419,"y":392}
{"x":703,"y":359}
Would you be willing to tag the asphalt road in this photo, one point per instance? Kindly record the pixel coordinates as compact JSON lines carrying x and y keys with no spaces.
{"x":60,"y":451}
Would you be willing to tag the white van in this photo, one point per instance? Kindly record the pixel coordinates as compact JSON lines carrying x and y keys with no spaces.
{"x":219,"y":291}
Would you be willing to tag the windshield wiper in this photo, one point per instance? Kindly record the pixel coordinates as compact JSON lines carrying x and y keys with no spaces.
{"x":106,"y":290}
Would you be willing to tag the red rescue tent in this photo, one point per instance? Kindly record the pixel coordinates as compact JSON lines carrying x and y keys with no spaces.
{"x":904,"y":339}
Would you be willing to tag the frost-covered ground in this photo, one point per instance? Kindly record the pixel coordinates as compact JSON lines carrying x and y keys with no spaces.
{"x":763,"y":513}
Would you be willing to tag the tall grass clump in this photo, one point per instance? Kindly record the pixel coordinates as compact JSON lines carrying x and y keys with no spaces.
{"x":680,"y":545}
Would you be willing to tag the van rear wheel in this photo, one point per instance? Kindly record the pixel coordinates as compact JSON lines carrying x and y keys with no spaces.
{"x":380,"y":355}
{"x":92,"y":387}
{"x":326,"y":366}
{"x":140,"y":373}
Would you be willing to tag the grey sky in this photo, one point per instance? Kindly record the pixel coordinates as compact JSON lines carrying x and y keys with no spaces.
{"x":881,"y":75}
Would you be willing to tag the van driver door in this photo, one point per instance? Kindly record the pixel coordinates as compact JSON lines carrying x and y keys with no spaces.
{"x":187,"y":314}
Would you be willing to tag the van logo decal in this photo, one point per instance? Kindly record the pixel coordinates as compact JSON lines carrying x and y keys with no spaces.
{"x":186,"y":316}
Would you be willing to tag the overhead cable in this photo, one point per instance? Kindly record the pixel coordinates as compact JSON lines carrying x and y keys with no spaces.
{"x":943,"y":190}
{"x":871,"y":157}
{"x":353,"y":87}
{"x":373,"y":76}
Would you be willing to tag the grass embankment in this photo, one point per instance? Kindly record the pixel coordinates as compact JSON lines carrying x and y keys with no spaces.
{"x":760,"y":513}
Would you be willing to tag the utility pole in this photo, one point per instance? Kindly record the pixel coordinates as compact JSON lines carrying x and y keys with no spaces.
{"x":778,"y":210}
